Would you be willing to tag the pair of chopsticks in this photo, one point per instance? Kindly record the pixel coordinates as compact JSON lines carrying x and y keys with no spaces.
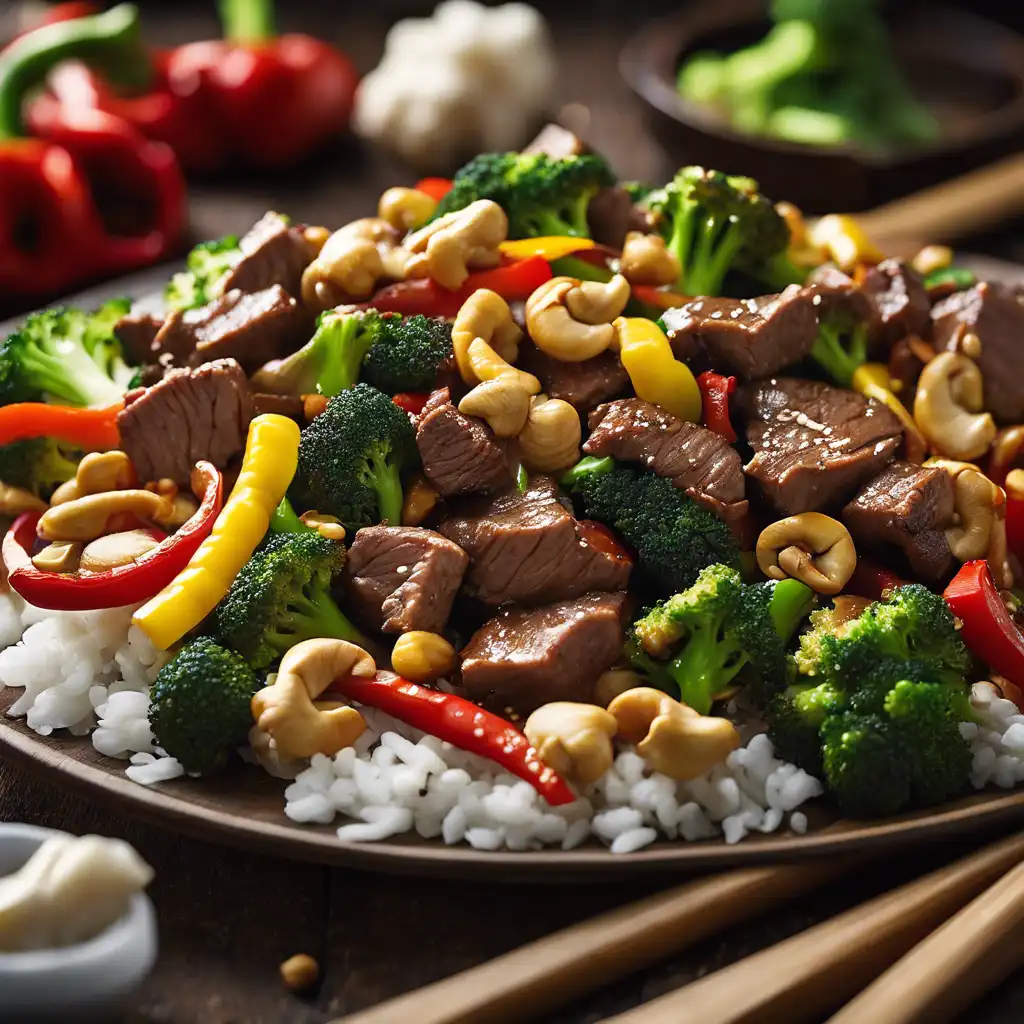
{"x":941,"y":971}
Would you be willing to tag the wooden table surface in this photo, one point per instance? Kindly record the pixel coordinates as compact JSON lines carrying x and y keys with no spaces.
{"x":228,"y":918}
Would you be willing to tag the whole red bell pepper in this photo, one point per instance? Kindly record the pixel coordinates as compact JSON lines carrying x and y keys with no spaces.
{"x":460,"y":723}
{"x":252,"y":98}
{"x":92,"y":196}
{"x":987,"y":627}
{"x":125,"y":584}
{"x":714,"y":396}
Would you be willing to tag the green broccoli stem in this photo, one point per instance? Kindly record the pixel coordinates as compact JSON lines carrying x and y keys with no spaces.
{"x":840,"y":361}
{"x":705,"y":667}
{"x":717,"y":245}
{"x":285,"y":519}
{"x":388,"y":485}
{"x":311,"y":619}
{"x":343,"y":354}
{"x":73,"y":376}
{"x":790,"y":603}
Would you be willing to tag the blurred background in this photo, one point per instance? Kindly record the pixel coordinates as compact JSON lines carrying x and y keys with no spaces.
{"x":838,"y":105}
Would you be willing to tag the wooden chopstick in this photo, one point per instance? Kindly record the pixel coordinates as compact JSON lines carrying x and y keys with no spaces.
{"x":543,"y":975}
{"x":958,"y":963}
{"x":810,"y":974}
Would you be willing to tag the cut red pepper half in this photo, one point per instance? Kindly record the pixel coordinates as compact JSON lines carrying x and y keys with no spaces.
{"x":412,"y":404}
{"x":436,"y":188}
{"x":987,"y":627}
{"x":461,"y":723}
{"x":514,"y":282}
{"x":125,"y":584}
{"x":92,"y":430}
{"x":714,"y":395}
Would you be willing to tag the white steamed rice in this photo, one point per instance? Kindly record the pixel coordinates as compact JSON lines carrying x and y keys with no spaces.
{"x":90,"y":672}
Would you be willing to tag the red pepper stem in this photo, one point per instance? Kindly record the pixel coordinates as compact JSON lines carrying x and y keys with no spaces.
{"x":109,"y":41}
{"x":245,"y":22}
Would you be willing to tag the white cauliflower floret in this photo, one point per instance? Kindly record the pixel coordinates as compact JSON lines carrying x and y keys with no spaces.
{"x":470,"y":78}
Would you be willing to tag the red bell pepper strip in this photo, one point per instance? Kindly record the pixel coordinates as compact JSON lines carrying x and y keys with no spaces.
{"x":714,"y":395}
{"x":658,"y":297}
{"x":872,"y":581}
{"x":125,"y":584}
{"x":1014,"y":487}
{"x":987,"y":627}
{"x":71,"y":203}
{"x":92,"y":430}
{"x":461,"y":723}
{"x":436,"y":188}
{"x":514,"y":282}
{"x":412,"y":404}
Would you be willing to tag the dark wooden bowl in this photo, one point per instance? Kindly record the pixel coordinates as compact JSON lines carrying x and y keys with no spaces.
{"x":968,"y":71}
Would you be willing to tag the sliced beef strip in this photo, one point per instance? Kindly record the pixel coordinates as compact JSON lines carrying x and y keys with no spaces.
{"x":748,"y":337}
{"x":400,"y":578}
{"x":460,"y":453}
{"x":137,"y":332}
{"x":202,"y":413}
{"x":273,"y":253}
{"x":992,"y":312}
{"x":908,"y":507}
{"x":283,"y":405}
{"x":583,"y":385}
{"x":526,"y":547}
{"x":813,"y":444}
{"x":524,"y":658}
{"x":898,"y":294}
{"x":698,"y":461}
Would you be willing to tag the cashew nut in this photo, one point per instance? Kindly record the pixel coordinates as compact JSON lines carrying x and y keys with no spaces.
{"x":327,"y":526}
{"x":15,"y":500}
{"x":89,"y":517}
{"x":406,"y":208}
{"x":422,"y":657}
{"x":813,"y":548}
{"x":948,"y":407}
{"x":571,"y":320}
{"x":97,"y":472}
{"x":420,"y":499}
{"x":61,"y":557}
{"x":646,"y":260}
{"x":502,"y":401}
{"x":573,"y":739}
{"x":671,"y":736}
{"x":347,"y":268}
{"x":449,"y":247}
{"x":315,"y":235}
{"x":116,"y":549}
{"x":485,"y":320}
{"x":1007,"y":445}
{"x":613,"y":682}
{"x":551,"y":438}
{"x":486,"y":364}
{"x":932,"y":258}
{"x":285,"y":710}
{"x":977,"y":505}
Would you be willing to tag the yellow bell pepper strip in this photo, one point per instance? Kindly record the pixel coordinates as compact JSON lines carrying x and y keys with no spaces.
{"x":843,"y":239}
{"x":271,"y":458}
{"x":657,"y":376}
{"x":551,"y":247}
{"x":873,"y":381}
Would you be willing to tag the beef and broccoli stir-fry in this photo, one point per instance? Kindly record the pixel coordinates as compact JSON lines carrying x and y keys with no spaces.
{"x":590,"y":479}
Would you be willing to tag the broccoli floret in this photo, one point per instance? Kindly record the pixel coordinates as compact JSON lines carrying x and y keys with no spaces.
{"x":795,"y":718}
{"x":840,"y":348}
{"x":673,"y":536}
{"x":282,"y":596}
{"x":407,"y":353}
{"x":329,"y":362}
{"x":706,"y":635}
{"x":351,"y":457}
{"x":37,"y":464}
{"x":715,"y":223}
{"x":199,"y":704}
{"x":206,"y":266}
{"x":66,"y":355}
{"x":541,"y":195}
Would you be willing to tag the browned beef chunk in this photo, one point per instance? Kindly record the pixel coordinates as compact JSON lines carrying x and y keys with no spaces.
{"x":403,"y":577}
{"x":273,"y":253}
{"x":698,"y":461}
{"x":994,"y":313}
{"x":190,"y":415}
{"x":898,"y":294}
{"x":557,"y":142}
{"x":908,"y":507}
{"x":905,"y":367}
{"x":748,"y":337}
{"x":813,"y":444}
{"x":583,"y":385}
{"x":460,"y":453}
{"x":283,"y":405}
{"x":840,"y":295}
{"x":524,"y":658}
{"x":612,"y":214}
{"x":137,"y":332}
{"x":526,"y":547}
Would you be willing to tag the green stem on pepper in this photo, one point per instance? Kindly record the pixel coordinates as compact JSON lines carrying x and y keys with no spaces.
{"x":246,"y":22}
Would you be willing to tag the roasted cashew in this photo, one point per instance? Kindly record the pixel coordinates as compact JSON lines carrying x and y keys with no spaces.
{"x":613,"y":682}
{"x":420,"y":500}
{"x":978,"y":504}
{"x":485,"y":317}
{"x":486,"y":364}
{"x":97,"y":472}
{"x":64,"y":556}
{"x":571,"y":320}
{"x":347,"y":268}
{"x":88,"y":517}
{"x":502,"y":401}
{"x":573,"y":739}
{"x":551,"y":438}
{"x":670,"y":735}
{"x":422,"y":657}
{"x":646,"y":260}
{"x":285,"y":710}
{"x":449,"y":247}
{"x":813,"y":548}
{"x":406,"y":208}
{"x":15,"y":500}
{"x":948,"y":407}
{"x":1006,"y":446}
{"x":327,"y":526}
{"x":116,"y":549}
{"x":932,"y":258}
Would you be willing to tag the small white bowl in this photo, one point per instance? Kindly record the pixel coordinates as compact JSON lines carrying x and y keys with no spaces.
{"x":90,"y":981}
